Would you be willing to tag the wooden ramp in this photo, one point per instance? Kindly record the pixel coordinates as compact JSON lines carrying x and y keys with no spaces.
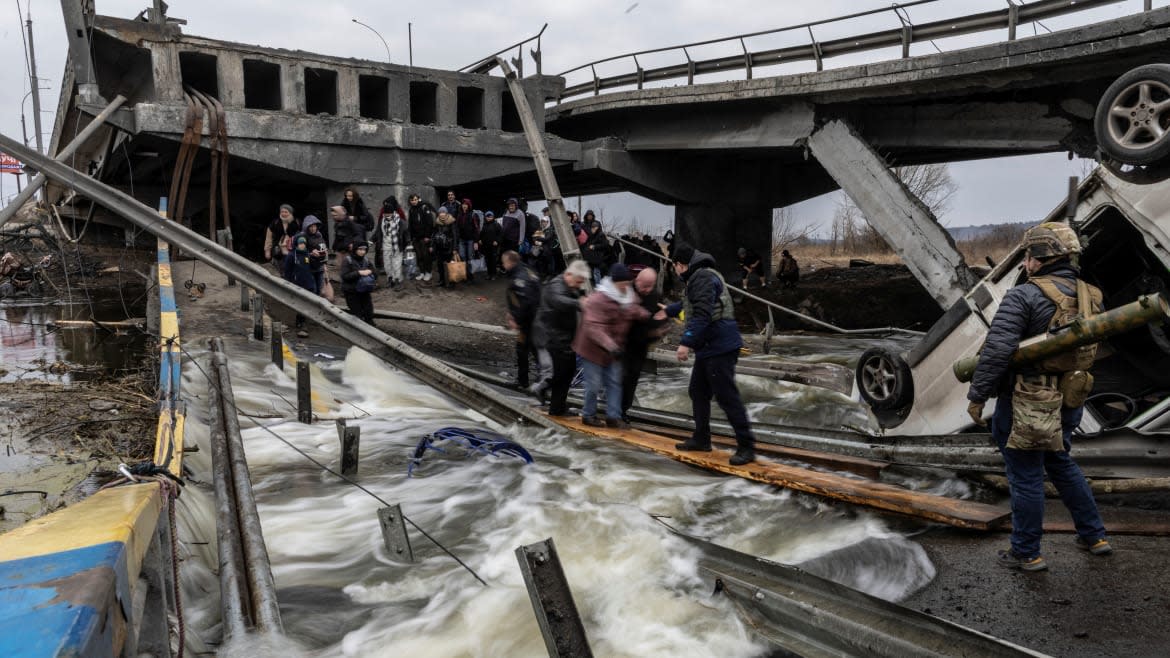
{"x":886,"y":497}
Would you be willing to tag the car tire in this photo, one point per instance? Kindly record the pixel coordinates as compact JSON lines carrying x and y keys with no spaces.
{"x":884,"y":380}
{"x":1132,"y":121}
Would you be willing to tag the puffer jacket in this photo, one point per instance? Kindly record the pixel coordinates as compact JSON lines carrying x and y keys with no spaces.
{"x":1023,"y":313}
{"x":421,"y":221}
{"x":556,"y":321}
{"x":523,"y":294}
{"x":606,"y":316}
{"x":710,"y":329}
{"x":596,"y":251}
{"x":315,"y":241}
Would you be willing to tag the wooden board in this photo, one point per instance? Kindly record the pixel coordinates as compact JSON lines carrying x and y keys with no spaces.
{"x":869,"y":468}
{"x":886,"y":497}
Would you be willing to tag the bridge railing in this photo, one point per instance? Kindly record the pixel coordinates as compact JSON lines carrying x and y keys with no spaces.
{"x":906,"y":34}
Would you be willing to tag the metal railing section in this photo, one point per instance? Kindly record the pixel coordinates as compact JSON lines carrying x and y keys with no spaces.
{"x":905,"y":34}
{"x":487,"y":64}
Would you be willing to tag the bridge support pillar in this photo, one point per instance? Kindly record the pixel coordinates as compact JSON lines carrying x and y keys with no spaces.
{"x":906,"y":224}
{"x":721,"y":228}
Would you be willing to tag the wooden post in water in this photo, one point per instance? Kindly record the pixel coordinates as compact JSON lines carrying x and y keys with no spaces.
{"x":277,"y":346}
{"x":350,"y":438}
{"x":304,"y":394}
{"x":258,"y":316}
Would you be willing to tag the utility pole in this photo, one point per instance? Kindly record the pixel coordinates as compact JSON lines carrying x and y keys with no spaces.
{"x":36,"y":87}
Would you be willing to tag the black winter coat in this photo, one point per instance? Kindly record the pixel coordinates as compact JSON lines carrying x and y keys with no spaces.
{"x":490,"y":232}
{"x":523,"y":294}
{"x":596,"y":250}
{"x":556,"y":319}
{"x":346,"y":233}
{"x":1023,"y":313}
{"x":349,"y":272}
{"x":359,"y":213}
{"x":422,"y":221}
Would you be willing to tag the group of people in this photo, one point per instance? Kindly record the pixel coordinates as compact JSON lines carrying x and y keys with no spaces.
{"x":610,"y":332}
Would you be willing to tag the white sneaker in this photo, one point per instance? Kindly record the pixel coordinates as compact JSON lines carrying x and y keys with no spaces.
{"x":427,"y":276}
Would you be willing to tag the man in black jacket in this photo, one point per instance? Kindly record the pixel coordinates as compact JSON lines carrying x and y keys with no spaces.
{"x":421,"y":219}
{"x":489,"y":243}
{"x":642,"y":334}
{"x":523,"y":301}
{"x":555,"y":326}
{"x":712,"y":335}
{"x":1039,"y":405}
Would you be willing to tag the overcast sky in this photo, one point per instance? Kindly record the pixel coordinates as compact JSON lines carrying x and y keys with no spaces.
{"x":451,"y":34}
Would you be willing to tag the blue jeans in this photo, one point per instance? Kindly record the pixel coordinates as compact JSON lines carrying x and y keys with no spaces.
{"x":1025,"y":473}
{"x":597,"y":375}
{"x":467,"y":250}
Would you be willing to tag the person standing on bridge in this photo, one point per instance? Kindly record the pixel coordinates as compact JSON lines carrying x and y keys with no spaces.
{"x":357,"y":282}
{"x":606,"y":316}
{"x":642,"y":334}
{"x":1039,"y":405}
{"x":278,"y":238}
{"x":297,"y":269}
{"x":318,"y":252}
{"x":554,"y":329}
{"x":523,"y":299}
{"x":467,"y":225}
{"x":512,"y":224}
{"x":346,"y":231}
{"x":712,"y":335}
{"x":391,"y":238}
{"x":490,"y":236}
{"x":421,"y":219}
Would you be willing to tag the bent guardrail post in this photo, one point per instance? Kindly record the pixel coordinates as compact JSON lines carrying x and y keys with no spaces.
{"x":560,"y":623}
{"x":257,"y":568}
{"x":430,"y":371}
{"x":39,"y":180}
{"x":277,"y":345}
{"x":304,"y":393}
{"x":394,"y":535}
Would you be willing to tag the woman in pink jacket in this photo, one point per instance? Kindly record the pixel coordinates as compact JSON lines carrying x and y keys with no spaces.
{"x":600,"y":341}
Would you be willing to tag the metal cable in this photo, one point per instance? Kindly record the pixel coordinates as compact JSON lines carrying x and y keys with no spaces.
{"x":336,"y":473}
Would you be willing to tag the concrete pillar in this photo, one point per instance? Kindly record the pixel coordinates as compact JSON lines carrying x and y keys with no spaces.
{"x":720,"y":229}
{"x":348,"y":93}
{"x":399,"y":98}
{"x":493,"y":107}
{"x":229,"y":67}
{"x":909,"y":227}
{"x":168,"y":82}
{"x":447,"y":103}
{"x":292,"y":87}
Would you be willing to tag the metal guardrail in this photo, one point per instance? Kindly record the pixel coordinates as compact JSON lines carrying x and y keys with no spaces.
{"x":817,"y":51}
{"x":488,"y":63}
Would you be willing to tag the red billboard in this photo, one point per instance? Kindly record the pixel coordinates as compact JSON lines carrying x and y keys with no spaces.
{"x":10,"y":165}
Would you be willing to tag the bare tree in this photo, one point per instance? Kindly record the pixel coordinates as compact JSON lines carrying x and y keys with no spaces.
{"x":932,"y":184}
{"x":785,"y":232}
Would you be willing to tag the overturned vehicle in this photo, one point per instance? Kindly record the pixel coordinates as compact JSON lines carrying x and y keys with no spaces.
{"x":1124,"y":227}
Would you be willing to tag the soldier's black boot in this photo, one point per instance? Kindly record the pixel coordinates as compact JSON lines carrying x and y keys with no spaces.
{"x":693,"y":445}
{"x":742,"y":456}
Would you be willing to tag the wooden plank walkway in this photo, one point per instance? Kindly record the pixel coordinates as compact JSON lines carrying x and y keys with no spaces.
{"x":886,"y":497}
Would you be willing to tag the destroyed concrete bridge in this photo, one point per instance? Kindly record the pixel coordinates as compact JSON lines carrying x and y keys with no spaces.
{"x":303,"y":126}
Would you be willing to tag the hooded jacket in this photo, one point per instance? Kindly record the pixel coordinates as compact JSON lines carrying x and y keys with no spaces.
{"x":1023,"y":313}
{"x":556,"y":321}
{"x":466,"y":222}
{"x":349,"y":271}
{"x":605,"y":322}
{"x":315,"y":241}
{"x":512,"y":224}
{"x":710,"y":323}
{"x":347,"y":232}
{"x":596,"y":250}
{"x":297,"y":267}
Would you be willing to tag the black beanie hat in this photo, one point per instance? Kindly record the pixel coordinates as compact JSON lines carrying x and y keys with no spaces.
{"x":683,"y":253}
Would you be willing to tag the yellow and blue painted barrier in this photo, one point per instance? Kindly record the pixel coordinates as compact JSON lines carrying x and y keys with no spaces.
{"x":69,"y":580}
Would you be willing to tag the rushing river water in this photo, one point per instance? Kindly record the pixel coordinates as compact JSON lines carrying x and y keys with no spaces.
{"x":636,"y":585}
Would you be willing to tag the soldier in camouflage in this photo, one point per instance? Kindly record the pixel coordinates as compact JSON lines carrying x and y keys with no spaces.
{"x":1039,"y":405}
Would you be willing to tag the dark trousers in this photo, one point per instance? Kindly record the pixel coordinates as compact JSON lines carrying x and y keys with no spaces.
{"x":491,"y":256}
{"x":524,"y":347}
{"x":714,"y":376}
{"x":564,"y":366}
{"x":424,"y":257}
{"x":1025,"y":473}
{"x":632,"y":364}
{"x":361,"y":304}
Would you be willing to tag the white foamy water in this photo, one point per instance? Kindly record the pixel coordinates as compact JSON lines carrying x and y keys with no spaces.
{"x":636,"y":584}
